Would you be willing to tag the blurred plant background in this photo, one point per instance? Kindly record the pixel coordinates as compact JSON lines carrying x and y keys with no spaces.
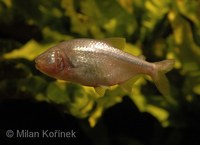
{"x":158,"y":29}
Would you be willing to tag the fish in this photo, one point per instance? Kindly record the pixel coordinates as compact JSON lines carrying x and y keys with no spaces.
{"x":100,"y":62}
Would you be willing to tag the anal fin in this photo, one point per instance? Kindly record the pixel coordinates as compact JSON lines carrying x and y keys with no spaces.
{"x":128,"y":85}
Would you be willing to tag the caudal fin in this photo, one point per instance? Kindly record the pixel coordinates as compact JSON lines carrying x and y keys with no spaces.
{"x":159,"y":76}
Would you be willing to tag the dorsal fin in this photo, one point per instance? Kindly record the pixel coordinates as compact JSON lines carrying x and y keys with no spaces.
{"x":141,"y":57}
{"x":116,"y":42}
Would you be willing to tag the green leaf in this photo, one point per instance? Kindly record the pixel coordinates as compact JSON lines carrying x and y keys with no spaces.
{"x":57,"y":93}
{"x":29,"y":51}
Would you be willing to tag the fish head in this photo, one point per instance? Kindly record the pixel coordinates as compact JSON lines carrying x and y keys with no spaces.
{"x":50,"y":62}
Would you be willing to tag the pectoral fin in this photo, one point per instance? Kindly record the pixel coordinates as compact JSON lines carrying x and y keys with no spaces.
{"x":101,"y":90}
{"x":116,"y":42}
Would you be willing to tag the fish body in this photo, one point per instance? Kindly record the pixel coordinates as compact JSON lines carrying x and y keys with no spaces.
{"x":97,"y":63}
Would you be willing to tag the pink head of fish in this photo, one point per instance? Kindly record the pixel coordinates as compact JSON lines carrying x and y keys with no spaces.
{"x":51,"y":62}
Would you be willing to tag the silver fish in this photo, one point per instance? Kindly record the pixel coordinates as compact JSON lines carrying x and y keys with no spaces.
{"x":98,"y":63}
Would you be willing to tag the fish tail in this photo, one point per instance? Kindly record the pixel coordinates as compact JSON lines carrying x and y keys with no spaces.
{"x":159,"y":76}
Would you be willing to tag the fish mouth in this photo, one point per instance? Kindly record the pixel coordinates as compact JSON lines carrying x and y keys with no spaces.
{"x":37,"y":66}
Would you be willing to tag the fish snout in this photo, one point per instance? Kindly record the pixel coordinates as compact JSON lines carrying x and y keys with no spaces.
{"x":40,"y":61}
{"x":37,"y":63}
{"x":47,"y":63}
